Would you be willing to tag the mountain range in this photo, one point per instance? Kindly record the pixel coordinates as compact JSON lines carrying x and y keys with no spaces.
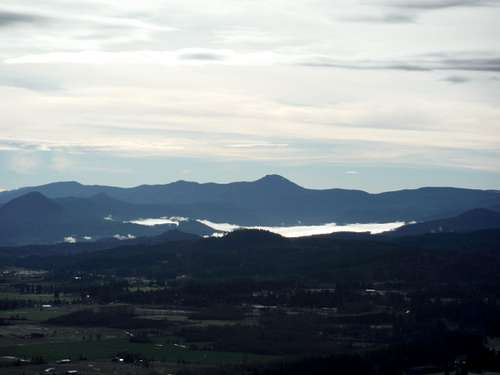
{"x":274,"y":200}
{"x":472,"y":220}
{"x":49,"y":213}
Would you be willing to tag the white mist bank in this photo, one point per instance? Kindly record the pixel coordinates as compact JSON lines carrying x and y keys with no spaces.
{"x":309,"y":230}
{"x":151,"y":222}
{"x":285,"y":231}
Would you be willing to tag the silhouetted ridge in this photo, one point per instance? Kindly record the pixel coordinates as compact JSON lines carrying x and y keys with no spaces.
{"x":275,"y":179}
{"x":271,"y":201}
{"x":274,"y":182}
{"x":30,"y":205}
{"x":472,"y":220}
{"x":253,"y":236}
{"x":195,"y":227}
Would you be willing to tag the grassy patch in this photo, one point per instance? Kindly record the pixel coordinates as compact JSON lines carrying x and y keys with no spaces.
{"x":94,"y":350}
{"x":39,"y":314}
{"x":41,"y":298}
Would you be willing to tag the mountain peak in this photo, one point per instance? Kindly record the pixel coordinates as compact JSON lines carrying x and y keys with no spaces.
{"x":66,"y":184}
{"x":31,"y":203}
{"x":274,"y":179}
{"x":277,"y":183}
{"x":184,"y":183}
{"x":246,"y":236}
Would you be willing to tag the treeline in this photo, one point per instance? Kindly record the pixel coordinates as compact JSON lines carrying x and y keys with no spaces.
{"x":234,"y":292}
{"x":438,"y":352}
{"x":12,"y":304}
{"x":122,"y":317}
{"x":437,"y":258}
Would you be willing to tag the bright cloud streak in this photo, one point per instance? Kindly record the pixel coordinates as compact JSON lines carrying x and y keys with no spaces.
{"x":158,"y":221}
{"x":193,"y":56}
{"x":310,"y":230}
{"x":121,"y":237}
{"x":70,"y":239}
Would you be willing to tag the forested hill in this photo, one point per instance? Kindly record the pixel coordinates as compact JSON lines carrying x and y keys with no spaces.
{"x":445,"y":257}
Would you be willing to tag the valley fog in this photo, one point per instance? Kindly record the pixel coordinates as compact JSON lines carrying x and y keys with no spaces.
{"x":285,"y":231}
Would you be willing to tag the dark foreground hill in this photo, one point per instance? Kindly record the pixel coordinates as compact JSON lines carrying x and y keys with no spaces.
{"x":274,"y":200}
{"x":66,"y":248}
{"x":442,"y":258}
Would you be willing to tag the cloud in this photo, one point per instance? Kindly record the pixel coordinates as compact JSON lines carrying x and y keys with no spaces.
{"x":248,"y":36}
{"x":28,"y":81}
{"x":407,"y":11}
{"x":61,"y":163}
{"x":8,"y":18}
{"x":24,"y":163}
{"x":70,"y":239}
{"x":257,"y":145}
{"x":59,"y":16}
{"x":25,"y":145}
{"x":352,"y":172}
{"x":53,"y":25}
{"x":438,"y":4}
{"x":441,"y":61}
{"x":151,"y":222}
{"x":121,"y":237}
{"x":456,"y":79}
{"x":403,"y":150}
{"x":164,"y":121}
{"x":203,"y":56}
{"x":187,"y":56}
{"x":251,"y":93}
{"x":427,"y":63}
{"x":389,"y":18}
{"x":309,"y":230}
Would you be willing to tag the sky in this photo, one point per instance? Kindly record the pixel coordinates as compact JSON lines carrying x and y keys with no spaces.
{"x":368,"y":94}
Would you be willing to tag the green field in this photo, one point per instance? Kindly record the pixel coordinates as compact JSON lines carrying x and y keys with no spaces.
{"x":41,"y":298}
{"x":94,"y":350}
{"x":39,"y":314}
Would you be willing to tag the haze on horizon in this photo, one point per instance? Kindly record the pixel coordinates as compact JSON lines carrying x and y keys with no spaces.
{"x":371,"y":94}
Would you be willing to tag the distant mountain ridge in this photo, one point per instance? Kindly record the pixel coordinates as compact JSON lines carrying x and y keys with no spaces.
{"x":473,"y":220}
{"x":274,"y":200}
{"x":35,"y":219}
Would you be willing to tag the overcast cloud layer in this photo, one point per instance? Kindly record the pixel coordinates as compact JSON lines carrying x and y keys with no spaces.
{"x":329,"y":93}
